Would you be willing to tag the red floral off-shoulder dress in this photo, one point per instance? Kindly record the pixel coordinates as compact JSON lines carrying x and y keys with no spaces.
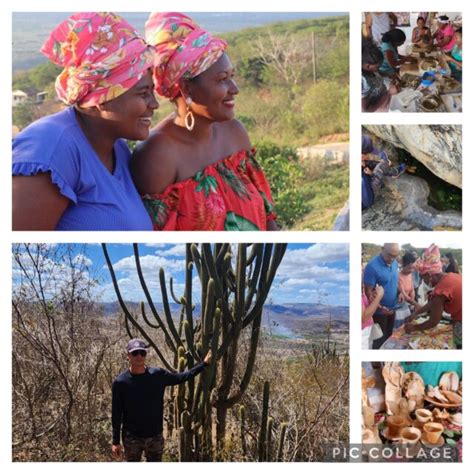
{"x":230,"y":194}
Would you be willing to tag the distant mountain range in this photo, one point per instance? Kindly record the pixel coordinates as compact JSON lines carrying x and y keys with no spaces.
{"x":30,"y":29}
{"x":291,"y":320}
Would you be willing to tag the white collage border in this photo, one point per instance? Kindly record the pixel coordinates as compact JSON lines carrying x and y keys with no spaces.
{"x":355,"y":236}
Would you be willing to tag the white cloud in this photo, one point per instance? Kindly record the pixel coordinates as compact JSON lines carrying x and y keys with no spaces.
{"x":81,"y":259}
{"x":150,"y":265}
{"x":311,"y":263}
{"x":178,"y":250}
{"x":55,"y":276}
{"x":311,"y":274}
{"x":319,"y":253}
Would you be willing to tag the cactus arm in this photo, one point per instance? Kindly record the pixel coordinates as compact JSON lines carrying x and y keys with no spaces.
{"x":268,"y":450}
{"x":224,"y":248}
{"x":190,"y":341}
{"x":128,"y":316}
{"x":265,"y":284}
{"x":257,"y":250}
{"x":253,"y":254}
{"x":281,"y":441}
{"x":142,"y":309}
{"x":211,"y":268}
{"x":175,"y":298}
{"x":166,"y":308}
{"x":235,"y":397}
{"x":239,"y":306}
{"x":155,"y":313}
{"x":197,"y":259}
{"x":262,"y":437}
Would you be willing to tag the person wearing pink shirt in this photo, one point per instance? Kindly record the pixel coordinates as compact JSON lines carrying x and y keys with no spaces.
{"x":444,"y":36}
{"x":406,"y":286}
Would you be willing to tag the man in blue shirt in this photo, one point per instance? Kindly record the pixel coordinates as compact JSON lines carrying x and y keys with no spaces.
{"x":383,"y":270}
{"x":137,"y":404}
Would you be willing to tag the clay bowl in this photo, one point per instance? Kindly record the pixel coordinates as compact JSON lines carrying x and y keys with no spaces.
{"x":433,"y":432}
{"x":440,"y":404}
{"x":394,"y":425}
{"x":410,"y":435}
{"x":453,"y":397}
{"x":428,"y":64}
{"x":430,"y":103}
{"x":410,"y":80}
{"x":423,"y":415}
{"x":456,"y":419}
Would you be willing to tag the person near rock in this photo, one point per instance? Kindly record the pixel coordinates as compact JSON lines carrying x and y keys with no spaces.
{"x":443,"y":37}
{"x":137,"y":404}
{"x":421,"y":34}
{"x":198,"y":170}
{"x":445,"y":296}
{"x":376,"y":94}
{"x":392,"y":60}
{"x":375,"y":167}
{"x":383,"y":270}
{"x":378,"y":23}
{"x":71,"y":169}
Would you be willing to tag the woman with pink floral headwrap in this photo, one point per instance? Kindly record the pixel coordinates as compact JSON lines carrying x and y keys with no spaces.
{"x":446,"y":295}
{"x":71,"y":169}
{"x":197,"y":170}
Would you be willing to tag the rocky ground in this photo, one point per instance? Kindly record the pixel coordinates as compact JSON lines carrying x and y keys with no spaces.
{"x":403,"y":205}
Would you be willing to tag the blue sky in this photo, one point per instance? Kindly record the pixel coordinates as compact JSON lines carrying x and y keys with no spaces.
{"x":309,"y":273}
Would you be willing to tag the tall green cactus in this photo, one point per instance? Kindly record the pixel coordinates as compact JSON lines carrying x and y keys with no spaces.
{"x":242,"y":431}
{"x":234,"y":288}
{"x":281,"y":441}
{"x":262,"y":437}
{"x":269,"y":440}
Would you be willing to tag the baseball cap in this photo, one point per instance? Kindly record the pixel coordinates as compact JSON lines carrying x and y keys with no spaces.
{"x":136,"y":345}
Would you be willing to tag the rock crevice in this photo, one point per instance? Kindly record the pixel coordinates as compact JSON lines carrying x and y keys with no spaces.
{"x":403,"y":205}
{"x":438,"y":147}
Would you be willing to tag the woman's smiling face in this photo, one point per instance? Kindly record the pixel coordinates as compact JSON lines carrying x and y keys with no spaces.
{"x":133,"y":110}
{"x":213,"y":91}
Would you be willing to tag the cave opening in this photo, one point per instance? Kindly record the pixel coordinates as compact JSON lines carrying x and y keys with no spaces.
{"x":443,"y":196}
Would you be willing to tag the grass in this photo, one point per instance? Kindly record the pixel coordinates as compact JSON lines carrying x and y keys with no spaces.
{"x":326,"y":195}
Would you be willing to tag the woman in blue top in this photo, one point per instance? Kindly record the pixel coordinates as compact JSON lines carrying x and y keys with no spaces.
{"x":392,"y":61}
{"x":70,"y":169}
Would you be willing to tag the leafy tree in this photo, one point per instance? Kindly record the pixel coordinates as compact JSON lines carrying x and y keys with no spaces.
{"x":39,"y":78}
{"x":252,"y":70}
{"x":23,"y":114}
{"x":284,"y":174}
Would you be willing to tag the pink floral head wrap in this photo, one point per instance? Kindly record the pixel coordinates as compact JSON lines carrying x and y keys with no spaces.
{"x":102,"y":55}
{"x":430,"y":261}
{"x":183,"y":50}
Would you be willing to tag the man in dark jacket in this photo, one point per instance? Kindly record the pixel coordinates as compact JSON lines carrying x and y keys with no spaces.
{"x":137,"y":404}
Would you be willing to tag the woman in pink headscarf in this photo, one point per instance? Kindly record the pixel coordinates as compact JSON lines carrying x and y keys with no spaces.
{"x":446,"y":295}
{"x":444,"y":35}
{"x":198,"y":171}
{"x":71,"y":169}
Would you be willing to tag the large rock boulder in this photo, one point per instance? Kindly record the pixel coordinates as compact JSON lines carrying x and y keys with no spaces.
{"x":438,"y":147}
{"x":403,"y":205}
{"x":343,"y":218}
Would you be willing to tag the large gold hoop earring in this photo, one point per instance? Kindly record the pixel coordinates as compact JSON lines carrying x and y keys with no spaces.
{"x":189,"y":118}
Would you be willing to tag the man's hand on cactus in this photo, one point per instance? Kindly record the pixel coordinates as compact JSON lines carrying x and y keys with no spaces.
{"x":208,"y":358}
